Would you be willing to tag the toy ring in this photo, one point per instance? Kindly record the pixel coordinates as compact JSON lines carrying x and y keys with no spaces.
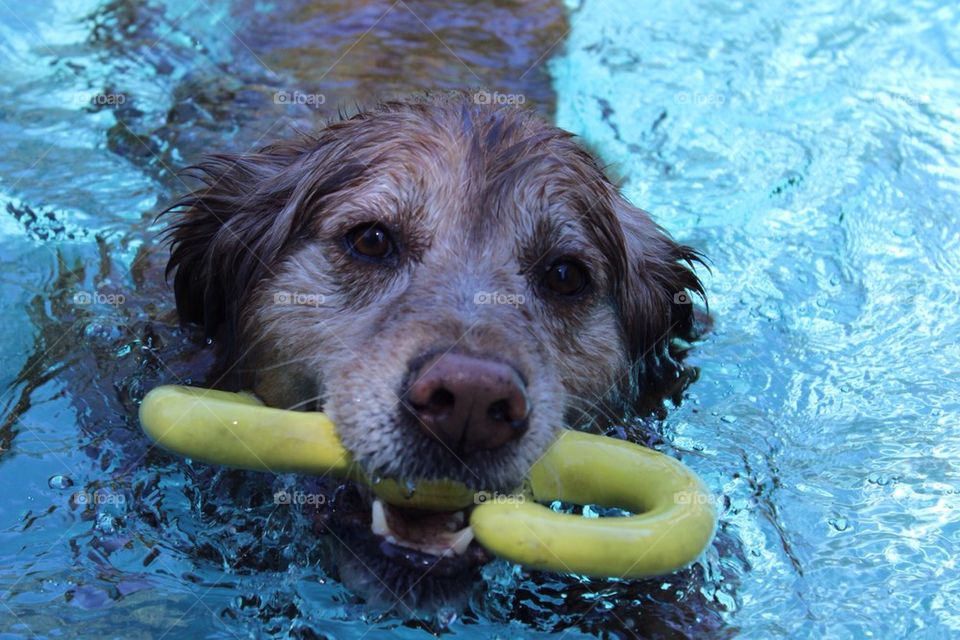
{"x":673,"y":516}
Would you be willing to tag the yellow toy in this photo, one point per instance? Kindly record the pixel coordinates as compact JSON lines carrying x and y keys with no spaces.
{"x":673,"y":519}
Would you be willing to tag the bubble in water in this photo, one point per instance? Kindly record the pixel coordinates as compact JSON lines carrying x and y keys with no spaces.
{"x":60,"y":482}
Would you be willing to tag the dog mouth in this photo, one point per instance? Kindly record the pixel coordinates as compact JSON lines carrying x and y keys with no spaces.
{"x":440,"y":542}
{"x":440,"y":534}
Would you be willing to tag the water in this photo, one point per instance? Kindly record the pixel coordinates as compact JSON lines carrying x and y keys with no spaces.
{"x":809,"y":151}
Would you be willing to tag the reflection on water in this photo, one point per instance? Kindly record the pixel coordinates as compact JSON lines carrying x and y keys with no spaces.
{"x":810,"y":152}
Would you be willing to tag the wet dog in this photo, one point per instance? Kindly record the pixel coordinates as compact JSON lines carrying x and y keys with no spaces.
{"x":451,"y":282}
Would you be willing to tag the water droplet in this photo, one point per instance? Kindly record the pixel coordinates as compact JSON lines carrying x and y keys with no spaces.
{"x":59,"y":482}
{"x":446,"y":616}
{"x":105,"y":523}
{"x":409,"y":488}
{"x":903,"y":230}
{"x":99,"y":330}
{"x":840,"y":524}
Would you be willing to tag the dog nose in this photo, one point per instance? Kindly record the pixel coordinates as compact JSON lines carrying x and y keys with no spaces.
{"x":468,"y":403}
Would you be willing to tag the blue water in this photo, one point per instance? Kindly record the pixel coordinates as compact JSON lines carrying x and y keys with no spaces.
{"x":810,"y":151}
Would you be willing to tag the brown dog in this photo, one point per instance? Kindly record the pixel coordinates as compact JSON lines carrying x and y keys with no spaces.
{"x":451,"y":282}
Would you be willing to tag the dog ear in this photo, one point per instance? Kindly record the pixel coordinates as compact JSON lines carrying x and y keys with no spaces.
{"x":657,"y":290}
{"x":231,"y":230}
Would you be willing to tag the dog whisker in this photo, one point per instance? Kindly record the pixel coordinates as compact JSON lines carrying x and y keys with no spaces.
{"x":285,"y":363}
{"x":307,"y":402}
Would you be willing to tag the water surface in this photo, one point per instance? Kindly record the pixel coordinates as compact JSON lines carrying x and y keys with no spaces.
{"x":810,"y":152}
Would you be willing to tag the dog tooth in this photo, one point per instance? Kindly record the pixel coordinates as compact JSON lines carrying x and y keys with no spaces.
{"x":462,"y":541}
{"x":378,"y":520}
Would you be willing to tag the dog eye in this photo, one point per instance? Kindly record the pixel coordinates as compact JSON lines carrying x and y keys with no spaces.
{"x":566,"y":277}
{"x":370,"y":241}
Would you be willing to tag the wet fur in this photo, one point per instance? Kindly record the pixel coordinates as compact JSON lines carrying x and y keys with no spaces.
{"x":480,"y":199}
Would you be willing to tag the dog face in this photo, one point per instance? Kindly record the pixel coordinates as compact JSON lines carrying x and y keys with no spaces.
{"x":452,"y":283}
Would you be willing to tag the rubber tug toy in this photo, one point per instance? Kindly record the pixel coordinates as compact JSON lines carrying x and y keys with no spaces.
{"x":672,"y":522}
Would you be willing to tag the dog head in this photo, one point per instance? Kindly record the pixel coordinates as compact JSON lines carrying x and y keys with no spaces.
{"x":452,"y":283}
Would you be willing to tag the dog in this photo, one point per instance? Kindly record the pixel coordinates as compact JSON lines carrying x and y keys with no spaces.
{"x":453,"y":283}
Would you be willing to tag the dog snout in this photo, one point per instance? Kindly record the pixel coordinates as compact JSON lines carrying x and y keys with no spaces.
{"x":468,"y":403}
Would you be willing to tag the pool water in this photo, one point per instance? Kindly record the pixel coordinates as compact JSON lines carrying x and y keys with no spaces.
{"x":809,"y":151}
